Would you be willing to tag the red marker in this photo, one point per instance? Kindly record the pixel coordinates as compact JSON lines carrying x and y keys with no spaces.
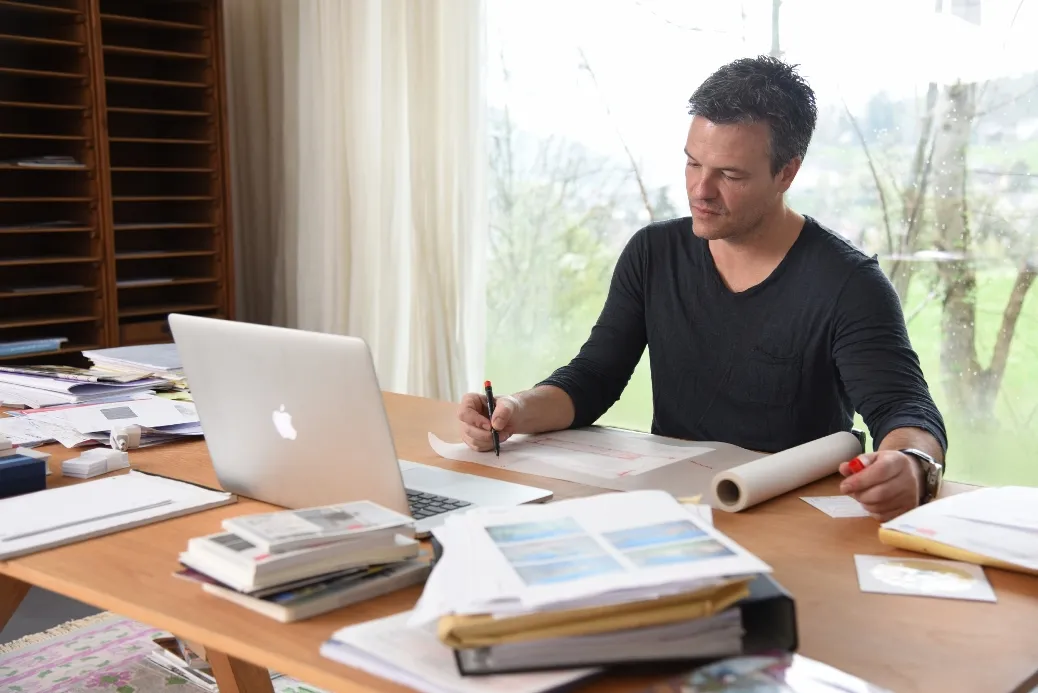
{"x":858,"y":464}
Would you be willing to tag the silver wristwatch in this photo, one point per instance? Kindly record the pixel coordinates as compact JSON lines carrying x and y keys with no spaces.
{"x":933,"y":473}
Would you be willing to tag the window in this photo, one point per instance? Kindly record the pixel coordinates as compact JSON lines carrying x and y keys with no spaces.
{"x":587,"y":121}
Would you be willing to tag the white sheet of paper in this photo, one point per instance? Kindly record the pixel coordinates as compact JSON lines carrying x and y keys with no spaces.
{"x":924,"y":577}
{"x":26,"y":430}
{"x":1008,"y":506}
{"x":837,"y":506}
{"x":603,"y":455}
{"x":414,"y":657}
{"x":151,"y":413}
{"x":73,"y":513}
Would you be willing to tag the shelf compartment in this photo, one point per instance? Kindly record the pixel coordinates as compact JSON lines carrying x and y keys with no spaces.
{"x":200,"y":266}
{"x":41,"y":7}
{"x":52,"y":260}
{"x":41,"y":56}
{"x":136,"y":95}
{"x":146,"y":81}
{"x":159,"y":282}
{"x":7,"y":323}
{"x":64,"y":124}
{"x":162,"y":183}
{"x":160,"y":254}
{"x":191,"y":14}
{"x":157,"y":140}
{"x":28,"y":183}
{"x":13,"y":149}
{"x":33,"y":247}
{"x":152,"y":53}
{"x":178,"y":72}
{"x":166,"y":309}
{"x":152,"y":213}
{"x":87,"y":276}
{"x":157,"y":155}
{"x":39,"y":21}
{"x":85,"y":331}
{"x":30,"y":311}
{"x":41,"y":93}
{"x":160,"y":127}
{"x":111,"y":19}
{"x":157,"y":300}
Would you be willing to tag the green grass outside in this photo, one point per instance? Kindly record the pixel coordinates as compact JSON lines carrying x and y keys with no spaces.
{"x":1006,"y":455}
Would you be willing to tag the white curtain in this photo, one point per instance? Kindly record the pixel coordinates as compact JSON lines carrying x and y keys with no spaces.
{"x":357,"y":132}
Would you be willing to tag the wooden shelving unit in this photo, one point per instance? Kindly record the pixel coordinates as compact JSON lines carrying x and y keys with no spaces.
{"x":127,"y":218}
{"x":52,"y":270}
{"x":164,"y":149}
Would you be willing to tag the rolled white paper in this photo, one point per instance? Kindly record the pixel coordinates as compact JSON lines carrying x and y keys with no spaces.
{"x":755,"y":482}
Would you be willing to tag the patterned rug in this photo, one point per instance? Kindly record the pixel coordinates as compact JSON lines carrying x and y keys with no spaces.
{"x":94,"y":655}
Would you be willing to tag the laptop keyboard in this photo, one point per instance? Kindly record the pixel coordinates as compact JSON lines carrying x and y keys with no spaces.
{"x":428,"y":504}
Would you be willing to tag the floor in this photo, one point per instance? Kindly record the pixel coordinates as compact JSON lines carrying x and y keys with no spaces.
{"x":41,"y":610}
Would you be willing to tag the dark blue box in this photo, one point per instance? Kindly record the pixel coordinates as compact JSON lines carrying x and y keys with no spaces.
{"x":21,"y":474}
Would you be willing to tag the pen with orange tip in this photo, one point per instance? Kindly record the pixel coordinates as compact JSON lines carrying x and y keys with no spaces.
{"x":490,"y":413}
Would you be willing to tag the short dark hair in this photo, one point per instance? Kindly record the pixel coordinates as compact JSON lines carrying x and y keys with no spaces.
{"x":761,"y":89}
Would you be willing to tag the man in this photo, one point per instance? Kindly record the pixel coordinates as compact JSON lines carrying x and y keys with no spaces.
{"x":764,"y":328}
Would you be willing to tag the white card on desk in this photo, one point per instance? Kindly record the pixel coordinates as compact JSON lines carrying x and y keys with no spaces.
{"x":924,"y":577}
{"x":837,"y":506}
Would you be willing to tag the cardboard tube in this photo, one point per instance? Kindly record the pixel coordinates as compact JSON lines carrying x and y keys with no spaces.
{"x":755,"y":482}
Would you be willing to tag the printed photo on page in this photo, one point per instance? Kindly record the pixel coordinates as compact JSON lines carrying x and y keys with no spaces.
{"x":611,"y":542}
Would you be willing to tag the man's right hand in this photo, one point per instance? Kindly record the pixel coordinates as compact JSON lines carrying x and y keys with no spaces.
{"x":476,"y":427}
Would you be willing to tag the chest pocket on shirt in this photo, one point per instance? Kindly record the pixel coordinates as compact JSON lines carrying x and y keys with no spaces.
{"x":765,"y":378}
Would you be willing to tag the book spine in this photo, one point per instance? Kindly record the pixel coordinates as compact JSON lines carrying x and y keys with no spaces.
{"x":36,"y":346}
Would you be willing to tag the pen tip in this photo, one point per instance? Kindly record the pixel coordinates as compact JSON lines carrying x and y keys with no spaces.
{"x":486,"y":383}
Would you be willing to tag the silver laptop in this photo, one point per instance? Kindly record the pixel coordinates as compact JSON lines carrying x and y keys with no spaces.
{"x":296,"y":419}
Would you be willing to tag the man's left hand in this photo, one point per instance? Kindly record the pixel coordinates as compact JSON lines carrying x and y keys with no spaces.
{"x":890,"y":484}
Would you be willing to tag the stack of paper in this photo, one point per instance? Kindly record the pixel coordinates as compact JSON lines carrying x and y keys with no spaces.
{"x":95,"y":463}
{"x":53,"y":389}
{"x":990,"y":526}
{"x":159,"y":420}
{"x":294,"y":564}
{"x":159,"y":360}
{"x":590,"y":581}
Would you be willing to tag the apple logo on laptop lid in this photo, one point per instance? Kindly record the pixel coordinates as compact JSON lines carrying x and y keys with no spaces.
{"x":283,"y":423}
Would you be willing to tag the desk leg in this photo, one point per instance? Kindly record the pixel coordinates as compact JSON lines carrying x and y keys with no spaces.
{"x":12,"y":592}
{"x":235,"y":676}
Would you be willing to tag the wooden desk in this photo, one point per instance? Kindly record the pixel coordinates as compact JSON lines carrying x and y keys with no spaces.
{"x":907,"y":644}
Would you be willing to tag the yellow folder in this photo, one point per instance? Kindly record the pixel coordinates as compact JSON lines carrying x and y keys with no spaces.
{"x":912,"y":542}
{"x":483,"y":630}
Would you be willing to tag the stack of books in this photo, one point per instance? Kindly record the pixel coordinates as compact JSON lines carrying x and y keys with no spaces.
{"x":616,"y":579}
{"x":294,"y":564}
{"x":180,"y":659}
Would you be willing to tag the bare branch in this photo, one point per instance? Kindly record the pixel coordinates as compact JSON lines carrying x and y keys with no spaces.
{"x":1000,"y":356}
{"x":875,"y":178}
{"x":683,"y":27}
{"x":585,"y":65}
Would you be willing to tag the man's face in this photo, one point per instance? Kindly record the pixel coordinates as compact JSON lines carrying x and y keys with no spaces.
{"x":728,"y":178}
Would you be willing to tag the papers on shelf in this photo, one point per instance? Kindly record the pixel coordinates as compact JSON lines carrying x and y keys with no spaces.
{"x":606,"y":455}
{"x":606,"y":549}
{"x":995,"y":523}
{"x":45,"y":519}
{"x":414,"y":657}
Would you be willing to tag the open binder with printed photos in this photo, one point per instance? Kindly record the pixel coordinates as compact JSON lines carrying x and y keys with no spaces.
{"x":613,"y":580}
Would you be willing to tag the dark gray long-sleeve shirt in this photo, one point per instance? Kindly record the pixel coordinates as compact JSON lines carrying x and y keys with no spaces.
{"x":785,"y":362}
